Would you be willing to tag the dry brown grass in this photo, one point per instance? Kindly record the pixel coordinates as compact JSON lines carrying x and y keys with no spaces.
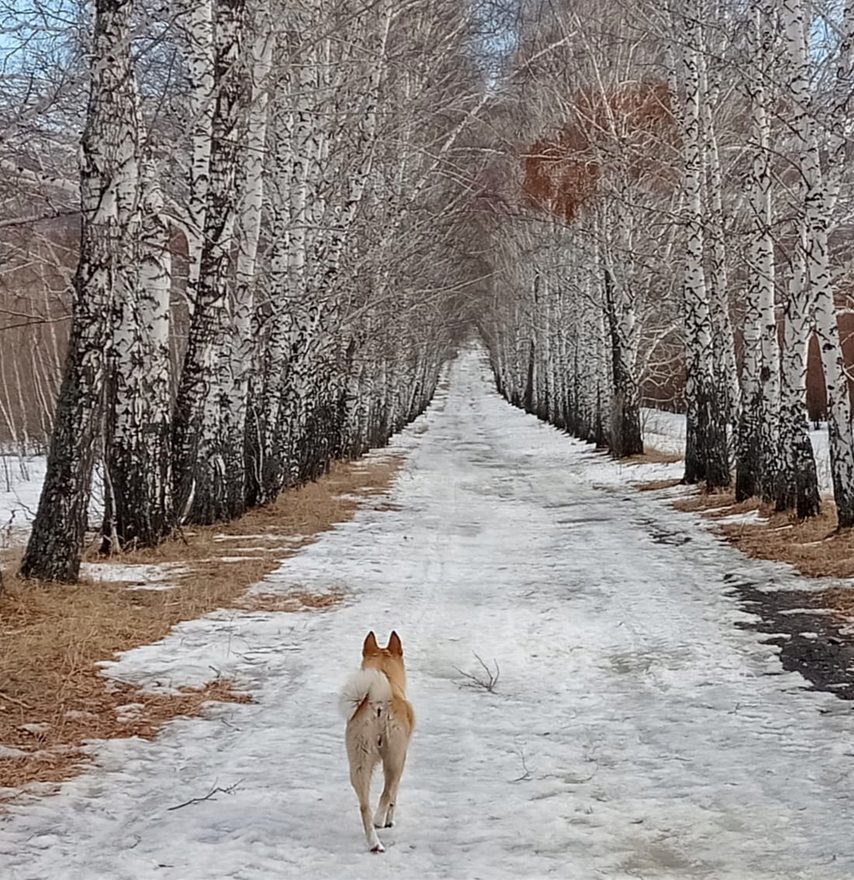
{"x":296,"y":600}
{"x":91,"y":711}
{"x":655,"y":485}
{"x":840,"y":601}
{"x":651,"y":455}
{"x":53,"y":636}
{"x":713,"y":504}
{"x":814,"y":546}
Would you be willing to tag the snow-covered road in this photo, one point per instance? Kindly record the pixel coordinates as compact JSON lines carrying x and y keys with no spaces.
{"x":635,"y":732}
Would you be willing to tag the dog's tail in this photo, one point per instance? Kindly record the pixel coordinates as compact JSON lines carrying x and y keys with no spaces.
{"x":369,"y":685}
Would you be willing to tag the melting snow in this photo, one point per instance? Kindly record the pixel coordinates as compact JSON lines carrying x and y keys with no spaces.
{"x":635,"y":731}
{"x":141,"y":576}
{"x":750,"y":516}
{"x":11,"y":752}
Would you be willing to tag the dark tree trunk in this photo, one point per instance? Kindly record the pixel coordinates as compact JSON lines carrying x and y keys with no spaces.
{"x":528,"y":397}
{"x":625,"y":436}
{"x":53,"y":551}
{"x":747,"y":473}
{"x":797,"y":480}
{"x":706,"y":441}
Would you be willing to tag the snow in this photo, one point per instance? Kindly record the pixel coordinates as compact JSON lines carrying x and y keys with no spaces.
{"x":20,"y":485}
{"x":34,"y":729}
{"x":140,"y":576}
{"x":635,"y":730}
{"x":287,"y":539}
{"x":809,"y":612}
{"x":663,"y":430}
{"x":21,"y":478}
{"x":666,"y":431}
{"x":11,"y":752}
{"x":734,"y":519}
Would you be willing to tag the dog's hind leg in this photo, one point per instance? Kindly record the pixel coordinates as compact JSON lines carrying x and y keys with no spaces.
{"x":360,"y":777}
{"x":392,"y":770}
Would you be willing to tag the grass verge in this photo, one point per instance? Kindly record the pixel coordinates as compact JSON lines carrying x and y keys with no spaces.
{"x":652,"y":455}
{"x":813,"y":547}
{"x":52,"y":695}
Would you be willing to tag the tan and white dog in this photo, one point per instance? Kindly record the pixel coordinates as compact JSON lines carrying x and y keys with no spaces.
{"x":380,"y":721}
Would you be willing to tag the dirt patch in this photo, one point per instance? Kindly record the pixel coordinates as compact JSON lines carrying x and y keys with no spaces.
{"x":813,"y":628}
{"x":812,"y":642}
{"x":53,"y":636}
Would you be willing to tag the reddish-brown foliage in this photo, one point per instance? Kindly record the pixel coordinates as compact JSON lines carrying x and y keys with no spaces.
{"x":626,"y":125}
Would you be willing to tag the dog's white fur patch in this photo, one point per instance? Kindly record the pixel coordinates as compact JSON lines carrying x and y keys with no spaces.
{"x":370,"y":683}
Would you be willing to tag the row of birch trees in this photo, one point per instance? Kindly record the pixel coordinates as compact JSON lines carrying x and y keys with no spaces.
{"x":682,"y":205}
{"x":271,"y":204}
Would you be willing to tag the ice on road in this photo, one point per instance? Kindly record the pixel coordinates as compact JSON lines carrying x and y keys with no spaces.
{"x":636,"y":730}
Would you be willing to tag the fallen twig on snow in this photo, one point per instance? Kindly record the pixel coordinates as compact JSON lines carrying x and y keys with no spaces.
{"x":209,"y":796}
{"x":527,"y":774}
{"x":475,"y":680}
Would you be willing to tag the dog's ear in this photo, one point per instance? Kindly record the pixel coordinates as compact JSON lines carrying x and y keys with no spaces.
{"x":394,"y":644}
{"x":370,"y":646}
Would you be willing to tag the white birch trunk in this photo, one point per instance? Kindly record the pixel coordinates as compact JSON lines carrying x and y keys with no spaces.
{"x":199,"y":478}
{"x":624,"y":428}
{"x":756,"y":446}
{"x":797,"y":480}
{"x":706,"y":453}
{"x":137,"y":458}
{"x":248,"y":235}
{"x":197,"y":22}
{"x":724,"y":364}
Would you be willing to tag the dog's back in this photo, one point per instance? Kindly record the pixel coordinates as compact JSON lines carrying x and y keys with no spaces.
{"x":380,"y":721}
{"x":366,"y":704}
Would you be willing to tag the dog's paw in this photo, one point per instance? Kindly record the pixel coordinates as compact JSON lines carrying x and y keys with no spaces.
{"x":389,"y":824}
{"x":379,"y":848}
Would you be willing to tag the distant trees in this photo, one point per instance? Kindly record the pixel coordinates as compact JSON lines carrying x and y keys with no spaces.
{"x":678,"y":187}
{"x":576,"y":341}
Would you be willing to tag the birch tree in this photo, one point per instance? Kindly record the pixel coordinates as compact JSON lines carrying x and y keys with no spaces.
{"x":706,"y":452}
{"x":243,"y":345}
{"x":818,"y":276}
{"x":797,"y":480}
{"x":137,"y":459}
{"x":757,"y":435}
{"x":200,"y":482}
{"x":196,"y":23}
{"x":109,"y":153}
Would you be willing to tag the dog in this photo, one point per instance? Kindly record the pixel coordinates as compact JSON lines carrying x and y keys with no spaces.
{"x":380,"y":721}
